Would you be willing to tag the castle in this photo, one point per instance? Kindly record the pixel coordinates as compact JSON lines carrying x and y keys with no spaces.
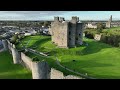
{"x":108,"y":24}
{"x":66,"y":34}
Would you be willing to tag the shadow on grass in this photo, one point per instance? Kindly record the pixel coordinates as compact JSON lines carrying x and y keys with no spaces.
{"x":41,"y":41}
{"x":79,"y":66}
{"x":94,"y":47}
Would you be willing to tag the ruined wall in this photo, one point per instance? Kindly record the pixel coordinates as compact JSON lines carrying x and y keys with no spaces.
{"x":72,"y":77}
{"x":40,"y":70}
{"x":16,"y":55}
{"x":108,"y":24}
{"x":60,"y":33}
{"x":9,"y":46}
{"x":26,"y":61}
{"x":56,"y":74}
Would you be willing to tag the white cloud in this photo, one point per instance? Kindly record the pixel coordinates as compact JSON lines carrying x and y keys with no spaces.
{"x":45,"y":15}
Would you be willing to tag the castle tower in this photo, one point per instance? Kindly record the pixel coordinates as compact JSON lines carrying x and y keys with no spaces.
{"x":108,"y":24}
{"x":110,"y":18}
{"x":40,"y":70}
{"x":79,"y":34}
{"x":72,"y":31}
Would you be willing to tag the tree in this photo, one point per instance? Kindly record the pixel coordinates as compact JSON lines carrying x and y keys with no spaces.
{"x":100,"y":26}
{"x":46,"y":23}
{"x":14,"y":38}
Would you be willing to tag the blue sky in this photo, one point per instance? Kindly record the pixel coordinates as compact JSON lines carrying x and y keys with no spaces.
{"x":49,"y":15}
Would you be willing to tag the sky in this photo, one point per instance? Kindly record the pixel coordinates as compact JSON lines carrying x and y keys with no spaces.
{"x":49,"y":15}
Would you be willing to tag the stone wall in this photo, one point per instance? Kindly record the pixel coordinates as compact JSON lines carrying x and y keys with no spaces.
{"x":97,"y":37}
{"x":26,"y":61}
{"x":72,"y":77}
{"x":56,"y":74}
{"x":65,"y":33}
{"x":40,"y":70}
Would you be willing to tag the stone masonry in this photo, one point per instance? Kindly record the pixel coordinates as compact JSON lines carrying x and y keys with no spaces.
{"x":66,"y":33}
{"x":108,"y":24}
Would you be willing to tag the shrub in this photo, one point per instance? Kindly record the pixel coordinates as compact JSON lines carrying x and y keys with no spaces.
{"x":14,"y":38}
{"x":35,"y":58}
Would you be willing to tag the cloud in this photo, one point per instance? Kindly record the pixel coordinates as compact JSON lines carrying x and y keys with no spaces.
{"x":28,"y":15}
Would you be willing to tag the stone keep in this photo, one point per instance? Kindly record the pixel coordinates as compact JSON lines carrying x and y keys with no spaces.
{"x":66,"y":33}
{"x":40,"y":70}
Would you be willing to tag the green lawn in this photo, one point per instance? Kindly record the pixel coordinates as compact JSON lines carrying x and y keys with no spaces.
{"x":113,"y":28}
{"x":8,"y":70}
{"x":98,"y":60}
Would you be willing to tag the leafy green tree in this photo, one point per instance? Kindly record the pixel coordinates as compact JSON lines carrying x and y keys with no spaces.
{"x":100,"y":26}
{"x":14,"y":38}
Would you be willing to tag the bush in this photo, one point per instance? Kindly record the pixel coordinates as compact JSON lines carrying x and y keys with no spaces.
{"x":90,"y":33}
{"x":13,"y":39}
{"x":100,"y":27}
{"x":35,"y":58}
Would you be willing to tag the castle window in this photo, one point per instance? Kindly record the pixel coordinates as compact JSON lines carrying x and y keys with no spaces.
{"x":69,"y":32}
{"x":79,"y":34}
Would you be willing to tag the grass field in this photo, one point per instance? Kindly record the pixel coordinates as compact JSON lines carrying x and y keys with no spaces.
{"x":8,"y":70}
{"x":98,"y":60}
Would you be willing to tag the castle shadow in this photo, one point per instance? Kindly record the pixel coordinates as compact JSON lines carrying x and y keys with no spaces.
{"x":79,"y":66}
{"x":41,"y":41}
{"x":94,"y":47}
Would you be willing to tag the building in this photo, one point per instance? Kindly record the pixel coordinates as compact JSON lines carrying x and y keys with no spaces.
{"x":91,"y":25}
{"x":66,"y":33}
